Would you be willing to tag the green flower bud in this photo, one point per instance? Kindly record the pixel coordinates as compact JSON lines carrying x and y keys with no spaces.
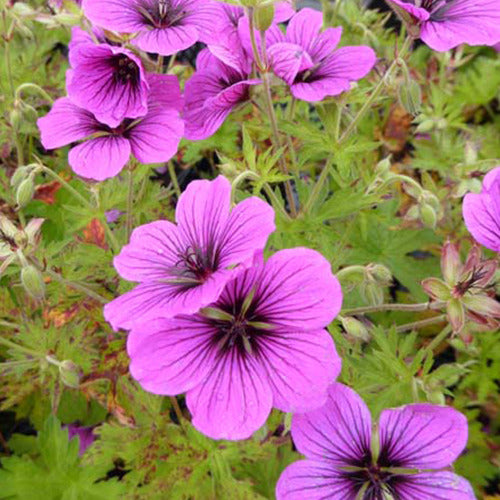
{"x":425,"y":126}
{"x":383,"y":166}
{"x":19,"y":175}
{"x":381,"y":273}
{"x":263,"y":16}
{"x":25,"y":192}
{"x":410,"y":97}
{"x":32,"y":281}
{"x":428,"y":216}
{"x":355,"y":328}
{"x":15,"y":119}
{"x":372,"y":293}
{"x":70,"y":373}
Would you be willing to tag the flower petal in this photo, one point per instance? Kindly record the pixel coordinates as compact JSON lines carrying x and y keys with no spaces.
{"x":442,"y":485}
{"x":315,"y":480}
{"x":116,"y":15}
{"x":233,"y":401}
{"x":287,"y":59}
{"x":66,"y":123}
{"x":203,"y":211}
{"x":167,"y":41}
{"x":170,"y":356}
{"x":339,"y":432}
{"x":421,"y":436}
{"x":163,"y":300}
{"x":249,"y":225}
{"x":300,"y":366}
{"x":100,"y":158}
{"x":462,"y":21}
{"x":481,"y":214}
{"x":153,"y":249}
{"x":304,"y":27}
{"x":296,"y":288}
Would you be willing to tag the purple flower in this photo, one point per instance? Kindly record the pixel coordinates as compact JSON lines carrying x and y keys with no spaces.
{"x":213,"y":91}
{"x":112,"y":215}
{"x":337,"y":438}
{"x":444,"y":24}
{"x":105,"y":150}
{"x":482,"y":212}
{"x":85,"y":436}
{"x":184,"y":267}
{"x":108,"y":81}
{"x":162,"y":26}
{"x":261,"y":344}
{"x":306,"y":58}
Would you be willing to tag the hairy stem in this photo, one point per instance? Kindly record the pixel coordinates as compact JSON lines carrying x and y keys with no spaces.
{"x":424,"y":306}
{"x":421,"y":324}
{"x":130,"y":201}
{"x":376,"y":92}
{"x":173,"y":178}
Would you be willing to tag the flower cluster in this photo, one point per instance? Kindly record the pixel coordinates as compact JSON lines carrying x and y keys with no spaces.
{"x":212,"y":318}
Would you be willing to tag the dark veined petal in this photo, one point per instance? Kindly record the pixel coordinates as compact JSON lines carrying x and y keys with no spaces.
{"x":339,"y":432}
{"x":287,"y":59}
{"x":296,"y":288}
{"x":116,"y":15}
{"x":170,"y":356}
{"x":100,"y":158}
{"x":315,"y":480}
{"x":233,"y":401}
{"x":66,"y":123}
{"x":442,"y":485}
{"x":304,"y":28}
{"x":300,"y":366}
{"x":422,"y":436}
{"x":462,"y":21}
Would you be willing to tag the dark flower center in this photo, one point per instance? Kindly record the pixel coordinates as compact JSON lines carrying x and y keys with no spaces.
{"x":193,"y":267}
{"x":435,"y":7}
{"x":469,"y":283}
{"x":125,"y":70}
{"x":375,"y":480}
{"x":162,"y":13}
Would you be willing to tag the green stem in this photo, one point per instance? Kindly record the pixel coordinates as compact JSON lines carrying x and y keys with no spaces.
{"x":66,"y":185}
{"x":421,"y":324}
{"x":112,"y":238}
{"x":394,"y":307}
{"x":318,"y":186}
{"x":173,"y":178}
{"x":255,"y":50}
{"x":177,"y":410}
{"x":376,"y":92}
{"x":20,"y":348}
{"x":159,"y":64}
{"x":8,"y":66}
{"x":130,"y":201}
{"x":77,"y":286}
{"x":36,"y":88}
{"x":438,"y":339}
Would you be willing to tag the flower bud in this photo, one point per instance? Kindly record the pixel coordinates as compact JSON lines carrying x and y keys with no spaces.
{"x":263,"y":16}
{"x":32,"y":281}
{"x":70,"y":373}
{"x":355,"y":328}
{"x":383,"y":166}
{"x":428,"y":215}
{"x":19,"y":175}
{"x":436,"y":397}
{"x":372,"y":293}
{"x":410,"y":97}
{"x":15,"y":119}
{"x":25,"y":192}
{"x":425,"y":126}
{"x":381,"y":274}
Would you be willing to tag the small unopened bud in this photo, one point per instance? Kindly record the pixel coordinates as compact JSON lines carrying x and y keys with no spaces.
{"x":32,"y":281}
{"x":372,"y":293}
{"x":25,"y":192}
{"x":410,"y":97}
{"x":436,"y":396}
{"x":428,"y":215}
{"x":470,"y":153}
{"x":70,"y":373}
{"x":355,"y":328}
{"x":263,"y":16}
{"x":381,"y":274}
{"x":15,"y":119}
{"x":19,"y":175}
{"x":383,"y":166}
{"x":29,"y":114}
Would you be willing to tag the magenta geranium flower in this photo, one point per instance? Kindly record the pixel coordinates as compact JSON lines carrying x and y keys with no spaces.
{"x":184,"y":267}
{"x":212,"y":93}
{"x":105,"y":150}
{"x":336,"y":439}
{"x":108,"y":81}
{"x":307,"y":58}
{"x":482,"y":212}
{"x":162,"y":27}
{"x":261,"y":344}
{"x":444,"y":24}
